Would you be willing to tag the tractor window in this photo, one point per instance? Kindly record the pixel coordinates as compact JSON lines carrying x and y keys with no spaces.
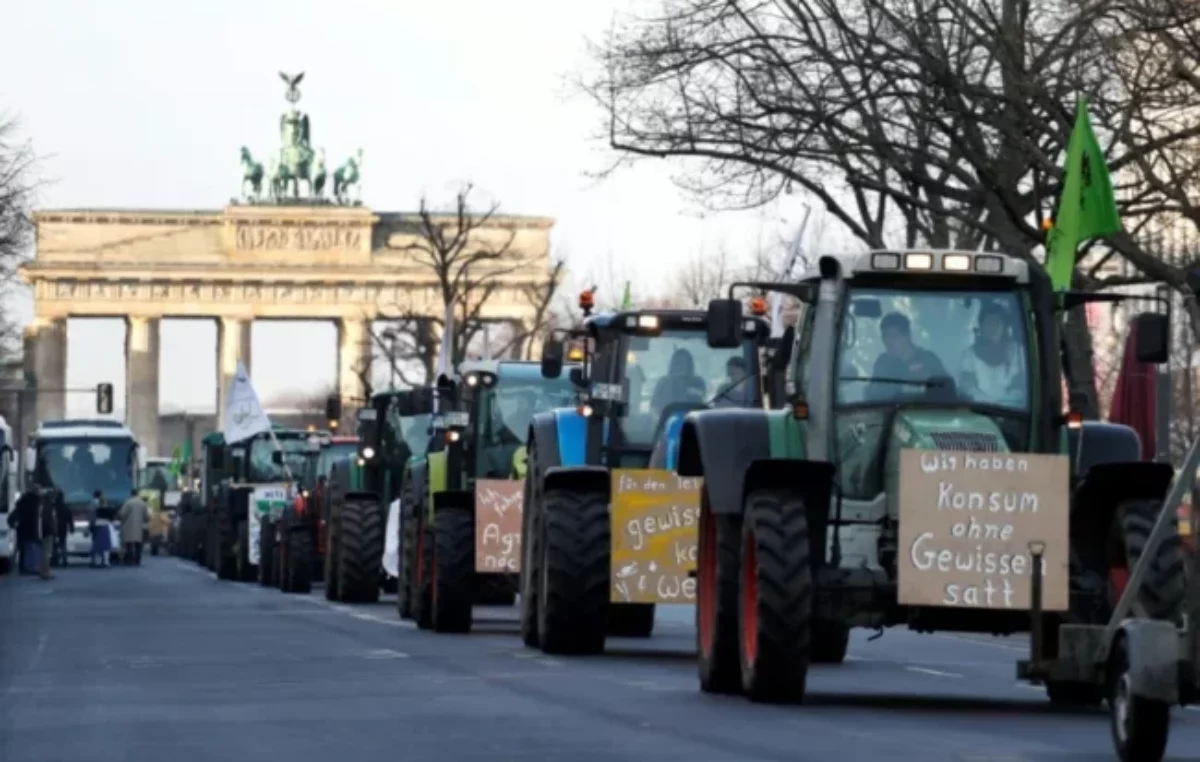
{"x":157,"y":476}
{"x":950,"y":346}
{"x":262,"y":469}
{"x":677,"y":367}
{"x":507,"y":411}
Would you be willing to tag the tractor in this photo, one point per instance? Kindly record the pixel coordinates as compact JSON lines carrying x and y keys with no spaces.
{"x":158,"y":485}
{"x":465,"y":515}
{"x":288,"y":537}
{"x":247,"y":485}
{"x":827,"y":514}
{"x":302,"y":530}
{"x":588,"y":572}
{"x":362,"y":487}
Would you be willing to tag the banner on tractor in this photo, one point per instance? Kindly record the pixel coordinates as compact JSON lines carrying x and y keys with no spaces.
{"x":267,"y":501}
{"x":966,"y":523}
{"x":498,"y":504}
{"x":655,"y":527}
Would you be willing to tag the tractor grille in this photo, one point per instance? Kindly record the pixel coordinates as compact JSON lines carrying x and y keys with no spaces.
{"x":965,"y":442}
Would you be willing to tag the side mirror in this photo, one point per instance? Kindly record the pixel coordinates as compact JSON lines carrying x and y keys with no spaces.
{"x":783,"y":353}
{"x":1151,"y":336}
{"x":577,"y":377}
{"x":552,"y":359}
{"x":724,"y":323}
{"x":277,"y":457}
{"x":333,"y":408}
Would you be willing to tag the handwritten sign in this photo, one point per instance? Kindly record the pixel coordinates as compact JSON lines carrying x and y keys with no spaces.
{"x":655,"y":522}
{"x":267,"y":238}
{"x":966,"y":521}
{"x":498,"y":505}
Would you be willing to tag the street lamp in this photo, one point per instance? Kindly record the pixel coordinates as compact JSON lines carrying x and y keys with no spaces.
{"x":390,"y":335}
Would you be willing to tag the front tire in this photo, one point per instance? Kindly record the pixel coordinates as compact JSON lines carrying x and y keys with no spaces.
{"x":408,"y":553}
{"x":718,"y":563}
{"x":453,"y":570}
{"x":573,"y":583}
{"x":266,"y":555}
{"x":1140,"y":727}
{"x":297,"y":575}
{"x":531,"y":550}
{"x":360,"y":551}
{"x":776,"y":598}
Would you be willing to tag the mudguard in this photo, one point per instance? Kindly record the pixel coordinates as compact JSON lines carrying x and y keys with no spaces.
{"x":720,"y":446}
{"x":666,"y":449}
{"x":578,"y":479}
{"x":1152,"y":646}
{"x":435,"y":477}
{"x":571,"y":433}
{"x":543,"y":429}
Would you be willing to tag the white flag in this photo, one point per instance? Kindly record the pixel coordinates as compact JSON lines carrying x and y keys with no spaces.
{"x":244,"y":415}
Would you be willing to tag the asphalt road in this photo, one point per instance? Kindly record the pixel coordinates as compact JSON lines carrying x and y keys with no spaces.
{"x":164,"y":662}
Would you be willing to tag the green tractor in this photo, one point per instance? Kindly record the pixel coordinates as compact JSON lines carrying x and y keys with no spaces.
{"x":827,"y":514}
{"x":362,"y":487}
{"x":461,"y":529}
{"x":247,"y":485}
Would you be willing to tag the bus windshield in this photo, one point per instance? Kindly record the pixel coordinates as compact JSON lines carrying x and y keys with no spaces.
{"x":79,"y":467}
{"x":678,"y":366}
{"x":507,"y":410}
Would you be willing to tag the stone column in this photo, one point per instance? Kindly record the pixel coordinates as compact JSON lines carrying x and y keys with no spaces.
{"x":46,"y":367}
{"x":141,"y":381}
{"x":354,"y":362}
{"x":233,"y":344}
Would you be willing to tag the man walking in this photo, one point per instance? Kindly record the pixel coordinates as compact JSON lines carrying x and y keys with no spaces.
{"x":134,"y":516}
{"x":49,"y":516}
{"x":26,"y":519}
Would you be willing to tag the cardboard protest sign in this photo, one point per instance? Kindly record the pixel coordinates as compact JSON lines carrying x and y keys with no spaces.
{"x":967,"y":520}
{"x":498,"y":504}
{"x":655,"y":526}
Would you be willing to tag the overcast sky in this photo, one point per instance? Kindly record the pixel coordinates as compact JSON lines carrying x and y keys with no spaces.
{"x":145,"y":104}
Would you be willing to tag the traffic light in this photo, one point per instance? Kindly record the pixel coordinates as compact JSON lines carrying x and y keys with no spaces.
{"x":104,"y":399}
{"x":333,"y":407}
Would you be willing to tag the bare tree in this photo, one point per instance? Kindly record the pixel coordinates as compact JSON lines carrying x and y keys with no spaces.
{"x":17,"y":187}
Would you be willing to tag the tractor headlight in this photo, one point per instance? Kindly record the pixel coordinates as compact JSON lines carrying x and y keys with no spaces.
{"x":368,"y":452}
{"x":918,"y":261}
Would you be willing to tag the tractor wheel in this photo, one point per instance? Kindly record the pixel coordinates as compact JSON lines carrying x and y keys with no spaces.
{"x":719,"y":560}
{"x":333,"y":591}
{"x":423,"y":600}
{"x":453,"y":570}
{"x":360,"y":551}
{"x":266,"y":555}
{"x":531,"y":558}
{"x":630,"y":620}
{"x":245,"y":572}
{"x":573,"y":578}
{"x":223,"y":556}
{"x":296,"y":576}
{"x":829,"y":642}
{"x":408,"y":555}
{"x":1140,"y":726}
{"x":1163,"y":587}
{"x":775,"y":597}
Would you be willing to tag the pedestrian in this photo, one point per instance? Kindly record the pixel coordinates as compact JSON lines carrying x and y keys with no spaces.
{"x":65,"y":523}
{"x":99,"y":526}
{"x":26,"y":519}
{"x":134,"y":517}
{"x":49,"y":521}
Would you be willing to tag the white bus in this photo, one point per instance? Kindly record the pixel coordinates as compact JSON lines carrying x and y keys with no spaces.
{"x":78,"y":457}
{"x":8,"y":496}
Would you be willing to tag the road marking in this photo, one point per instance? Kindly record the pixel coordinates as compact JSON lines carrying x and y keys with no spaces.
{"x":988,"y":643}
{"x":1029,"y":686}
{"x":384,"y":653}
{"x":934,"y":672}
{"x":549,"y":662}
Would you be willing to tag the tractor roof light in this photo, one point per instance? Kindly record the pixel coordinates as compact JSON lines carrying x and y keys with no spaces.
{"x":885,"y":261}
{"x":956,"y":263}
{"x":472,"y":379}
{"x":648,"y":322}
{"x":1074,"y":420}
{"x":918,"y":261}
{"x":758,"y":306}
{"x":575,"y":354}
{"x":989,"y":264}
{"x":587,"y":301}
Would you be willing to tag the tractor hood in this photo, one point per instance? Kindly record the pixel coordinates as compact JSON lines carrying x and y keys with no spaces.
{"x":947,"y":430}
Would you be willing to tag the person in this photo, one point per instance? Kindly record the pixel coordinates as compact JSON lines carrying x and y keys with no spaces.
{"x":49,"y":521}
{"x":735,"y":389}
{"x":134,"y":516}
{"x":993,"y":367}
{"x":901,"y":360}
{"x":100,"y":527}
{"x":64,"y":521}
{"x":681,"y":384}
{"x":27,"y":520}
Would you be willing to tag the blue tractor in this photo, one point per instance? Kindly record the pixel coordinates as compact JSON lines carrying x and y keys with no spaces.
{"x":608,"y":530}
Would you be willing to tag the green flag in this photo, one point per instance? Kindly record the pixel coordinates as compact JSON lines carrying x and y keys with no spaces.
{"x":627,"y":300}
{"x":1086,"y":208}
{"x":176,"y":465}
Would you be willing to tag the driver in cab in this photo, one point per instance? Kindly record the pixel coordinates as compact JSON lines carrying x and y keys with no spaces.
{"x":681,"y":384}
{"x":901,"y":361}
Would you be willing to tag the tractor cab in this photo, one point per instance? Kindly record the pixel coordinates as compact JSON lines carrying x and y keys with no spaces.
{"x":644,"y":370}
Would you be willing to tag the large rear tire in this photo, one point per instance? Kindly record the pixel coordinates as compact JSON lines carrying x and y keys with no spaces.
{"x":333,"y":588}
{"x":830,"y":641}
{"x":573,"y":584}
{"x":266,"y":555}
{"x":245,"y":571}
{"x":531,"y":558}
{"x":360,"y":551}
{"x":423,"y":602}
{"x":1164,"y":587}
{"x":630,"y":620}
{"x":297,"y":574}
{"x":223,"y":556}
{"x":776,"y":598}
{"x":453,"y":570}
{"x":718,"y":564}
{"x":408,"y":564}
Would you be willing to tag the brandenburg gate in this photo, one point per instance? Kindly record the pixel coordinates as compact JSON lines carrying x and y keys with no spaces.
{"x":281,"y":257}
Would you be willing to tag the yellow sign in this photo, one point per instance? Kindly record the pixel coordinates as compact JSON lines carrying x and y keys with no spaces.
{"x":655,"y":522}
{"x":967,"y":520}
